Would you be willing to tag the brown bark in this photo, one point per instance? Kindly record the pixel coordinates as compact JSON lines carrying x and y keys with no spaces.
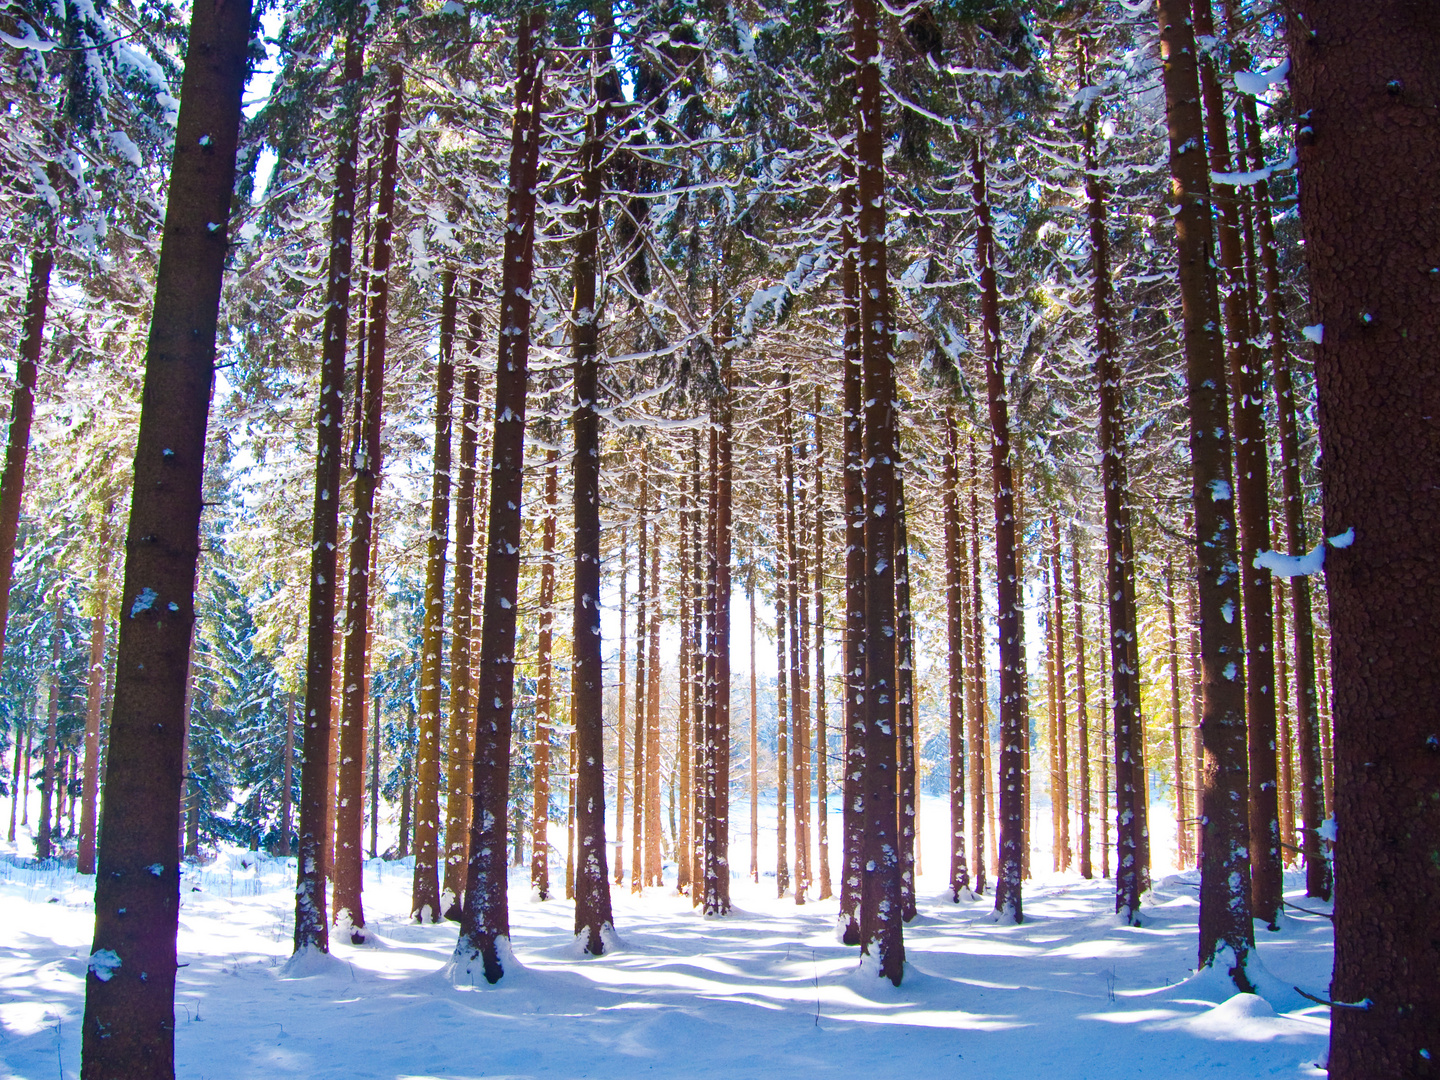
{"x":129,"y":1026}
{"x":1226,"y":932}
{"x":978,"y":734}
{"x":853,"y":495}
{"x":94,"y":693}
{"x":653,"y":852}
{"x":1364,"y":81}
{"x":1008,"y":615}
{"x":485,"y":920}
{"x":312,"y":927}
{"x":782,"y":690}
{"x":1062,"y":748}
{"x":620,"y":721}
{"x":44,"y":841}
{"x":797,"y":617}
{"x":642,"y":626}
{"x":1183,"y":854}
{"x":754,"y":733}
{"x":717,"y":736}
{"x":881,"y":928}
{"x":699,"y":616}
{"x":1283,"y":729}
{"x":907,"y":816}
{"x":403,"y":844}
{"x":346,"y":896}
{"x":956,"y":654}
{"x":540,"y":784}
{"x":1082,"y":713}
{"x":822,"y":738}
{"x":287,"y":779}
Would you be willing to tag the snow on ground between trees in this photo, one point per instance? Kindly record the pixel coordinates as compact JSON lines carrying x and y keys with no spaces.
{"x":1068,"y":995}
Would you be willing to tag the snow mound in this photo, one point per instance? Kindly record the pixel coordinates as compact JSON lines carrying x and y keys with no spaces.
{"x":311,"y":963}
{"x":1246,"y":1017}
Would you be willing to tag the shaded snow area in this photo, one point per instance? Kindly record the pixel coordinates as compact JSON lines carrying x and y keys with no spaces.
{"x":764,"y":992}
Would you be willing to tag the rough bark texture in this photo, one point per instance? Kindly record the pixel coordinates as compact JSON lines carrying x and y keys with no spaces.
{"x":346,"y":896}
{"x":129,"y":1024}
{"x":544,"y":694}
{"x":881,"y":928}
{"x":22,"y":413}
{"x":1082,"y":711}
{"x":955,"y":655}
{"x":1060,"y":784}
{"x":590,"y":879}
{"x":1365,"y":83}
{"x":94,"y":698}
{"x":822,"y":738}
{"x":977,"y":733}
{"x":1226,"y":933}
{"x":312,"y":928}
{"x":717,"y":735}
{"x":906,"y":815}
{"x":483,"y":946}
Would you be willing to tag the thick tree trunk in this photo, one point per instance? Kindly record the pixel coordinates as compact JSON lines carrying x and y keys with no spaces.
{"x":94,"y":695}
{"x":312,"y":928}
{"x":955,"y":655}
{"x":1365,"y":80}
{"x":717,"y":827}
{"x":483,"y":945}
{"x":852,"y":791}
{"x":1009,"y":610}
{"x":129,"y":1025}
{"x":1226,"y":932}
{"x":544,"y":707}
{"x":346,"y":896}
{"x":22,"y":413}
{"x":881,"y":928}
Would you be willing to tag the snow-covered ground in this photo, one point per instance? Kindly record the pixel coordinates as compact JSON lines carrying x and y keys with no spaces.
{"x":766,"y":991}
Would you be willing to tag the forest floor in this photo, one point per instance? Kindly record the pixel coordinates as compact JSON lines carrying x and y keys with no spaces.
{"x":1068,"y":995}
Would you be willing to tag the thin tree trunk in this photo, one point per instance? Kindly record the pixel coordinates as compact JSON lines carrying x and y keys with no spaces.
{"x":312,"y":927}
{"x":881,"y":928}
{"x":94,"y":693}
{"x":1082,"y":716}
{"x":955,"y":655}
{"x":653,"y":852}
{"x":642,"y":625}
{"x":44,"y":842}
{"x":822,"y":737}
{"x":349,"y":911}
{"x":1062,"y":751}
{"x":754,"y":733}
{"x":783,"y":711}
{"x":1282,"y":719}
{"x":483,"y":944}
{"x":717,"y":736}
{"x":853,"y":495}
{"x":978,"y":736}
{"x":18,"y":789}
{"x":1226,"y":931}
{"x":1183,"y":856}
{"x":1362,"y":75}
{"x":22,"y":413}
{"x":540,"y":785}
{"x":796,"y":620}
{"x":129,"y":1025}
{"x":403,"y":844}
{"x":620,"y":722}
{"x":700,"y":610}
{"x":287,"y":779}
{"x":907,"y":817}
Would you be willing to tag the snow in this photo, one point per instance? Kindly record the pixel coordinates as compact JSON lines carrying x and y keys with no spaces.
{"x":1256,"y":83}
{"x":1313,"y":334}
{"x":1068,"y":994}
{"x":1289,"y":566}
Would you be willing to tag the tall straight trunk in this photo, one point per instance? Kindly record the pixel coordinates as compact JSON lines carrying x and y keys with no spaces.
{"x":1008,"y":615}
{"x":801,"y":746}
{"x":403,"y":843}
{"x":287,"y":779}
{"x":22,"y":414}
{"x":700,"y":608}
{"x":620,"y":698}
{"x":1137,"y":734}
{"x":1252,"y":496}
{"x":684,"y":749}
{"x":853,"y":495}
{"x":94,"y":694}
{"x":425,"y":905}
{"x":717,"y":736}
{"x":881,"y":928}
{"x":129,"y":1026}
{"x":1082,"y":714}
{"x":570,"y":796}
{"x":955,"y":654}
{"x":799,"y":666}
{"x":1104,"y":776}
{"x":1283,"y":729}
{"x":754,"y":732}
{"x":44,"y":840}
{"x":349,"y":911}
{"x":1062,"y":749}
{"x":1197,"y":749}
{"x":1119,"y":576}
{"x":18,"y":789}
{"x":544,"y":721}
{"x":907,"y":817}
{"x":1183,"y":854}
{"x":822,"y":737}
{"x":1226,"y":931}
{"x":312,"y":928}
{"x":653,"y":853}
{"x":1307,"y":724}
{"x":642,"y":625}
{"x":783,"y":711}
{"x":483,"y":945}
{"x":1367,"y":74}
{"x":978,"y":734}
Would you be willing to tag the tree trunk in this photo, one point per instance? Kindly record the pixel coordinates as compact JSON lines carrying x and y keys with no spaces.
{"x":1226,"y":932}
{"x":853,"y":493}
{"x":754,"y":733}
{"x":94,"y":694}
{"x":1009,"y":613}
{"x":1183,"y":855}
{"x":907,"y":817}
{"x":129,"y":1024}
{"x":652,"y":717}
{"x":822,"y":737}
{"x":483,"y":945}
{"x":287,"y":779}
{"x":346,"y":895}
{"x":782,"y":691}
{"x":544,"y":721}
{"x":717,"y":736}
{"x":620,"y":721}
{"x":1282,"y":721}
{"x":978,"y":734}
{"x":881,"y":928}
{"x":312,"y":928}
{"x":1364,"y":80}
{"x":700,"y":614}
{"x":1082,"y":716}
{"x":955,"y":655}
{"x":796,"y":625}
{"x":1062,"y":749}
{"x":22,"y":413}
{"x":642,"y":626}
{"x":402,"y":844}
{"x":44,"y":842}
